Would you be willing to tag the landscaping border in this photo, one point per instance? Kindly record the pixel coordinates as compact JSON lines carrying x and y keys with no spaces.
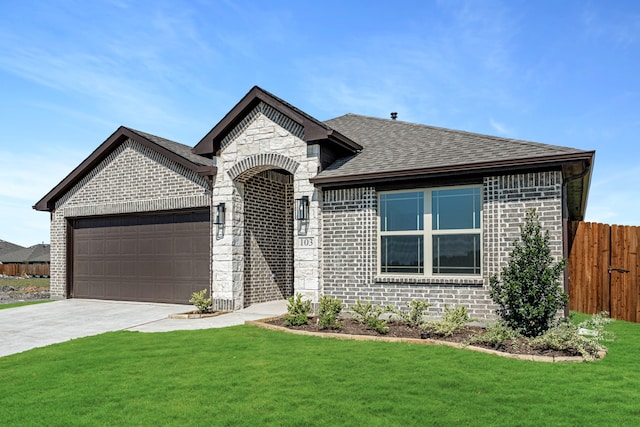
{"x":548,"y":359}
{"x":196,"y":315}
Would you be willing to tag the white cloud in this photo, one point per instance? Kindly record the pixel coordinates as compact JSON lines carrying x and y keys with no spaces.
{"x":22,"y":225}
{"x":499,"y":127}
{"x":451,"y":67}
{"x":620,"y":26}
{"x":22,"y":184}
{"x":614,"y":197}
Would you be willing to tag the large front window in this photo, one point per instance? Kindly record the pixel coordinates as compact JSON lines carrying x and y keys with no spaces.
{"x":431,"y":232}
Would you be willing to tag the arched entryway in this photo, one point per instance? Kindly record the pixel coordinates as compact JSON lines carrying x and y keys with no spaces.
{"x":268,"y":237}
{"x":265,"y":185}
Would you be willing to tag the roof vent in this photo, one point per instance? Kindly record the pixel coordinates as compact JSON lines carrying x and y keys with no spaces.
{"x":394,"y":115}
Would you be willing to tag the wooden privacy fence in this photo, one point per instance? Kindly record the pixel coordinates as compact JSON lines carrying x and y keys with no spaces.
{"x":604,"y":271}
{"x":20,"y":269}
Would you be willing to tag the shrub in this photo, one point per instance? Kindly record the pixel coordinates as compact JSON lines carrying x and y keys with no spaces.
{"x":297,"y":311}
{"x":330,"y":309}
{"x":528,"y":292}
{"x":452,"y":320}
{"x":414,"y":316}
{"x":369,"y":315}
{"x":202,"y":303}
{"x":586,"y":338}
{"x":495,"y":335}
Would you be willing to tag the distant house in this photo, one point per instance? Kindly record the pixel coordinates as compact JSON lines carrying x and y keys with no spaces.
{"x":33,"y":261}
{"x":273,"y":202}
{"x":36,"y":254}
{"x":6,"y":247}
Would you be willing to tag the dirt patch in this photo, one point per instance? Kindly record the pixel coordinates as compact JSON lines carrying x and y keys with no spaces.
{"x":401,"y":330}
{"x":11,"y":294}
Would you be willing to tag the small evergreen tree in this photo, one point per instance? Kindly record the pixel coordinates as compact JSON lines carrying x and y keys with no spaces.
{"x":529,"y":293}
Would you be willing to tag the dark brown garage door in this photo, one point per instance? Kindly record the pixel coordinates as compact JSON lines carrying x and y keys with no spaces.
{"x":159,"y":258}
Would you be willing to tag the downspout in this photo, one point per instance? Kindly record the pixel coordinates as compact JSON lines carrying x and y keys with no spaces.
{"x":565,"y":226}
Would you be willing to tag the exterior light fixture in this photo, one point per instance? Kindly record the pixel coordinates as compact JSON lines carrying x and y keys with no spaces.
{"x":220,"y":214}
{"x":302,"y":208}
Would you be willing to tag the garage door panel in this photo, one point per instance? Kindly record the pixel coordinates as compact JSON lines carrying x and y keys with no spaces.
{"x":96,"y":269}
{"x":200,"y":268}
{"x":128,"y":246}
{"x":183,"y":245}
{"x":163,"y":245}
{"x":96,"y":287}
{"x":111,"y":268}
{"x":112,"y":247}
{"x":160,"y":257}
{"x":163,"y":269}
{"x":96,"y":247}
{"x":145,"y":246}
{"x":127,"y":268}
{"x":200,"y":244}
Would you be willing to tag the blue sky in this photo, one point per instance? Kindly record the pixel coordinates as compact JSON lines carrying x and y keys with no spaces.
{"x":559,"y":72}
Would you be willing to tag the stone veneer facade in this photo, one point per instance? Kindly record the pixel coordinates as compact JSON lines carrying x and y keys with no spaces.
{"x":350,"y":244}
{"x":265,"y":140}
{"x":132,"y":179}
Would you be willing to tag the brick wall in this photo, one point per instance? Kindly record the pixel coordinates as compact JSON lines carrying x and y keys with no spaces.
{"x":350,"y":237}
{"x":507,"y":199}
{"x":268,"y":237}
{"x":133,"y":178}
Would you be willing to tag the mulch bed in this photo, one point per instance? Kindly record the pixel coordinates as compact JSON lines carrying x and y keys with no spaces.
{"x":401,"y":330}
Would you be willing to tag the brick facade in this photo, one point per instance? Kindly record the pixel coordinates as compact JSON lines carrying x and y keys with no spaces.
{"x":262,"y":253}
{"x":350,"y":244}
{"x":268,"y":237}
{"x":131,"y":179}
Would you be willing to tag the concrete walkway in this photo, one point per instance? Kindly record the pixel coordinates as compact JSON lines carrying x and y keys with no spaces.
{"x":39,"y":325}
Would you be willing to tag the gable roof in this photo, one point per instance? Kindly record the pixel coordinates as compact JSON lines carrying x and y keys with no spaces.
{"x":314,"y":130}
{"x":177,"y":152}
{"x":6,"y":247}
{"x":35,"y":253}
{"x":395,"y":150}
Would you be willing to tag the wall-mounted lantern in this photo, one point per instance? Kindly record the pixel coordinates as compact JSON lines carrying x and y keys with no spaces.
{"x":220,"y":214}
{"x":302,"y":208}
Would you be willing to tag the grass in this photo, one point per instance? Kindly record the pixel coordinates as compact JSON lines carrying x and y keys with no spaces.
{"x":24,"y":283}
{"x":248,"y":376}
{"x":20,"y":304}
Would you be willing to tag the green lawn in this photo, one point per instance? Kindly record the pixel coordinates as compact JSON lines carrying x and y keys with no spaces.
{"x":249,"y":376}
{"x":20,"y":304}
{"x":24,"y":283}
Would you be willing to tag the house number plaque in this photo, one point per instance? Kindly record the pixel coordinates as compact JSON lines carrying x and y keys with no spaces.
{"x":306,"y":241}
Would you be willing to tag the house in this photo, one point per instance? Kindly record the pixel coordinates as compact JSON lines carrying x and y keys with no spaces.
{"x":6,"y":247}
{"x":36,"y":254}
{"x":273,"y":201}
{"x":16,"y":260}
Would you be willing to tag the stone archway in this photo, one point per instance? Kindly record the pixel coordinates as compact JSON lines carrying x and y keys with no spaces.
{"x":267,"y":226}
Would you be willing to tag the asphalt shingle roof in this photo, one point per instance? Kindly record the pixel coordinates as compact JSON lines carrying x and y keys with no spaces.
{"x":6,"y":247}
{"x":393,"y":145}
{"x":181,"y":150}
{"x":35,"y":253}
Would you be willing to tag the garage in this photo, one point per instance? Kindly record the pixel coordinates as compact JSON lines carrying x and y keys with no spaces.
{"x":157,"y":257}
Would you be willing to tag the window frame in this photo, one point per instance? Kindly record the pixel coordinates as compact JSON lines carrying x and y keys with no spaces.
{"x":428,"y":234}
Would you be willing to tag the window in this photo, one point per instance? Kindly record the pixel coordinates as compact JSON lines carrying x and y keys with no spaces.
{"x":431,"y":232}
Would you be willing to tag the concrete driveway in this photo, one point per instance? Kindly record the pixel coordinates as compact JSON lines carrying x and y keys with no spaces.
{"x":39,"y":325}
